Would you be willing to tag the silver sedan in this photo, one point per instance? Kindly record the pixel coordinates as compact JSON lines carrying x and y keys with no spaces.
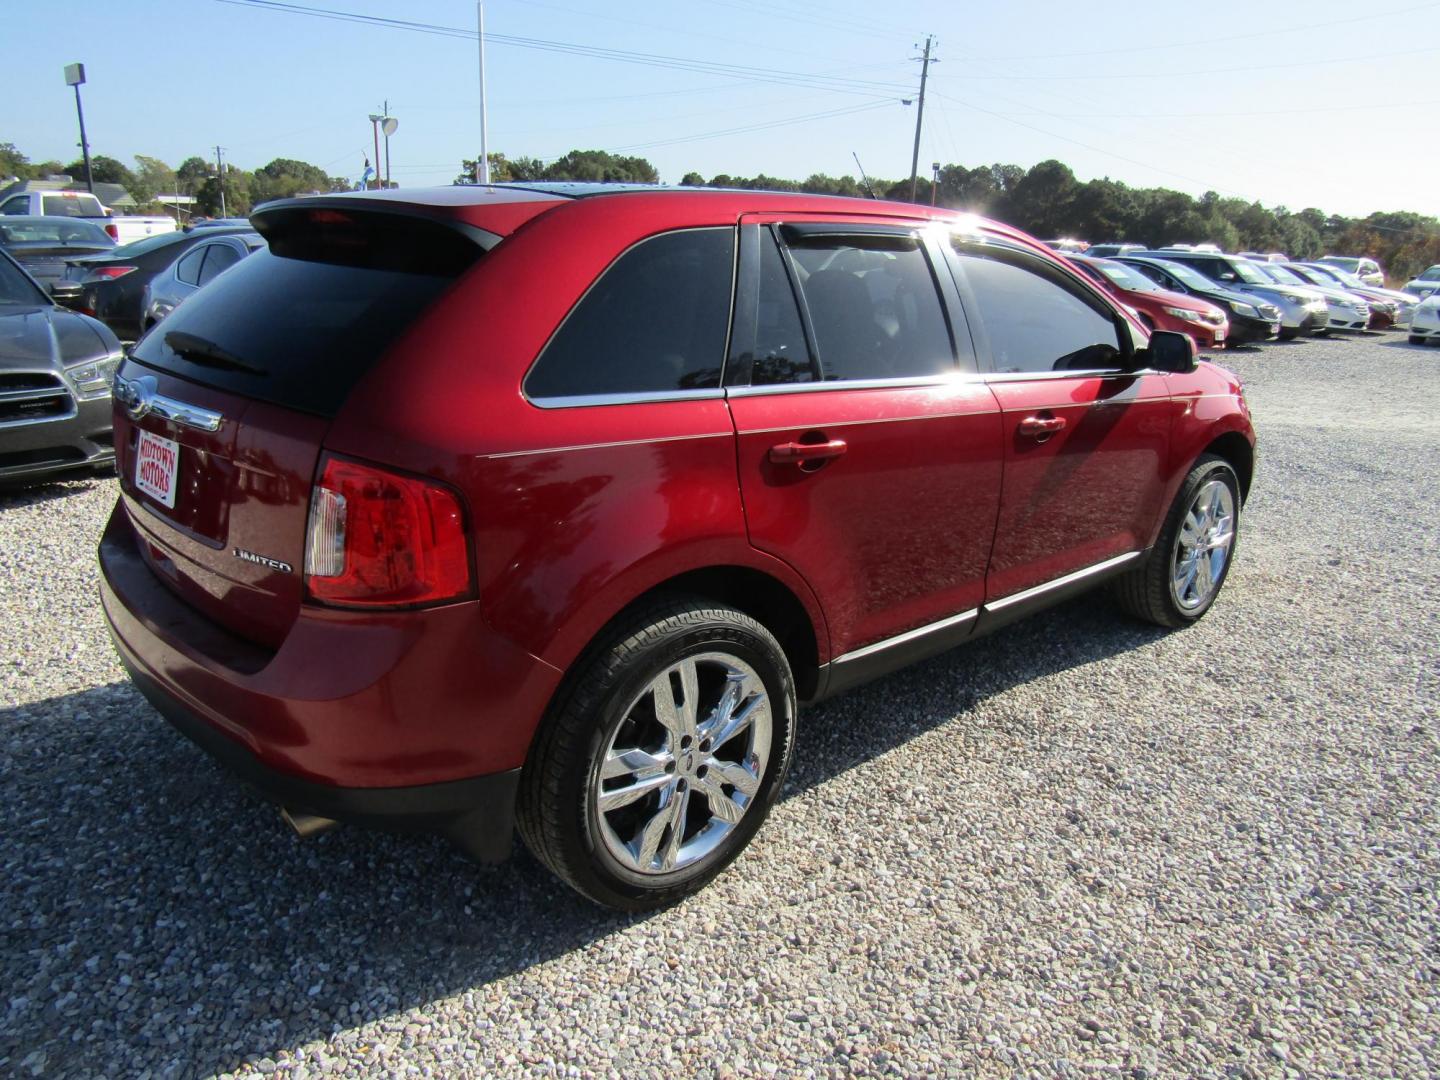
{"x":198,"y":266}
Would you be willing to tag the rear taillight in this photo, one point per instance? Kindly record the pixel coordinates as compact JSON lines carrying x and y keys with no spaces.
{"x":113,"y":231}
{"x":106,"y":273}
{"x":379,"y":539}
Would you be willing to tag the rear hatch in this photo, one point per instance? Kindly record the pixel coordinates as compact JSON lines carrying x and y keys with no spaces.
{"x":221,"y":412}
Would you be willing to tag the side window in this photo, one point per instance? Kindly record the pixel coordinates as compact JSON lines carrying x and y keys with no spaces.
{"x":654,"y":321}
{"x":188,"y":269}
{"x":873,"y":306}
{"x":218,"y":257}
{"x":781,"y":352}
{"x":20,"y":204}
{"x":1035,"y":319}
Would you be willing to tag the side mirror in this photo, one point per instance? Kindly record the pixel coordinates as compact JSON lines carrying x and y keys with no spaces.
{"x":1169,"y":352}
{"x":65,"y":293}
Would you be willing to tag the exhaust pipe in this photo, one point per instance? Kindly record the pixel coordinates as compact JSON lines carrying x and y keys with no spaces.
{"x":306,"y":825}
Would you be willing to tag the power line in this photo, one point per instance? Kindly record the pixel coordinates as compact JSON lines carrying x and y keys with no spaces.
{"x":1112,"y":75}
{"x":844,"y":85}
{"x":1192,"y":44}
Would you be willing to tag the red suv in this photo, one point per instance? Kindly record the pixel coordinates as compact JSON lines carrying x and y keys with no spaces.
{"x":546,"y":506}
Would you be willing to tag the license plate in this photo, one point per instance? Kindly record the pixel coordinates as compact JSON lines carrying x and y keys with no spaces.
{"x":1219,"y":336}
{"x":157,"y":461}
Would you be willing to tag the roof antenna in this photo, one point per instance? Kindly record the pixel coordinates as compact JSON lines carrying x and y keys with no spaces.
{"x":863,"y":177}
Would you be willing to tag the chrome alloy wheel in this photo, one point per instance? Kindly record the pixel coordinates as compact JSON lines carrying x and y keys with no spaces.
{"x":1202,"y":547}
{"x":683,"y":764}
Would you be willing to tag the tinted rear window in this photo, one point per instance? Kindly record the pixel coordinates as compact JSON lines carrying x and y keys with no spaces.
{"x":314,"y":312}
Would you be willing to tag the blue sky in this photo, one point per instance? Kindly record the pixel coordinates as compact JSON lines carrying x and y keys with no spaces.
{"x":1325,"y":103}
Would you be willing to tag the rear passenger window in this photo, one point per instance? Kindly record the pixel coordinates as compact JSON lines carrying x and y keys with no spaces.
{"x":781,"y":352}
{"x":188,"y":269}
{"x":873,"y":307}
{"x":1036,"y":320}
{"x":218,"y":258}
{"x":655,"y":321}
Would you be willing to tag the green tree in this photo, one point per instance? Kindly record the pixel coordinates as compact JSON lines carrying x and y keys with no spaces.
{"x":103,"y":170}
{"x":14,"y":163}
{"x":692,"y":179}
{"x":238,"y":200}
{"x":287,"y":177}
{"x":151,"y":177}
{"x":503,"y":170}
{"x":599,"y":165}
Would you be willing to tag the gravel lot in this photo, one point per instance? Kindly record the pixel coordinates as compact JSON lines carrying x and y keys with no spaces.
{"x":1080,"y":846}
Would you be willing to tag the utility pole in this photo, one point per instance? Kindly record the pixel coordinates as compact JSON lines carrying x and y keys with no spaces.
{"x":386,"y":110}
{"x":919,"y":118}
{"x":482,"y":167}
{"x":220,"y":169}
{"x":934,"y":180}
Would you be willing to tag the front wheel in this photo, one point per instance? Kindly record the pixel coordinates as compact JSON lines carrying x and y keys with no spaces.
{"x":1417,"y":339}
{"x":1185,"y":570}
{"x":662,"y":756}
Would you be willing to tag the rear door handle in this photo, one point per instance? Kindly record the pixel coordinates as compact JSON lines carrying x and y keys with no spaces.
{"x":1041,"y":427}
{"x":794,"y":453}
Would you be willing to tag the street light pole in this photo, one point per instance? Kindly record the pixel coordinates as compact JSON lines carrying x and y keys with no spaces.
{"x":375,"y":119}
{"x":220,"y":171}
{"x":74,"y":76}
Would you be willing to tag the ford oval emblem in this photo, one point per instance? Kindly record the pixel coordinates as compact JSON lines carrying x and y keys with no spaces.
{"x":136,"y":395}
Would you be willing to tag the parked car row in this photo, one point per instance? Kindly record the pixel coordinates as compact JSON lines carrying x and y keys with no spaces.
{"x":1259,"y":296}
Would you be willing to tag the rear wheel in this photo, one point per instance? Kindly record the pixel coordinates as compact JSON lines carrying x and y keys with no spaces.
{"x":1185,"y":570}
{"x":1416,"y":339}
{"x":662,"y":757}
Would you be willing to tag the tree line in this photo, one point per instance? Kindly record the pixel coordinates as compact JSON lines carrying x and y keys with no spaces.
{"x":1046,"y":200}
{"x":151,"y":179}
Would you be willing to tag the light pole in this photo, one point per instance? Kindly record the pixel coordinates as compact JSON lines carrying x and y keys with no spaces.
{"x":375,"y":119}
{"x":74,"y":76}
{"x":934,"y":180}
{"x":388,"y":126}
{"x":482,"y":167}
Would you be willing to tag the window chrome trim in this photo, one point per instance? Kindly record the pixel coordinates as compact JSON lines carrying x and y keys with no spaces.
{"x":649,"y":397}
{"x":900,"y":382}
{"x":1061,"y":582}
{"x":907,"y":637}
{"x":1090,"y":373}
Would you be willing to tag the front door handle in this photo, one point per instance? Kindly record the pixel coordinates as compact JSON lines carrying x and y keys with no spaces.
{"x":1041,"y":427}
{"x":794,"y":453}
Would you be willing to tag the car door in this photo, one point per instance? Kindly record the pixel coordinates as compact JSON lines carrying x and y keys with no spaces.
{"x":869,"y":450}
{"x":1085,"y":436}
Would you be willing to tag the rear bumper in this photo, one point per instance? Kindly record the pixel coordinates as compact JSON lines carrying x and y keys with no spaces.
{"x":416,"y":719}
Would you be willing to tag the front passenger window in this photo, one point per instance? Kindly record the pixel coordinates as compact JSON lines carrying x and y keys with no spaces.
{"x":1036,"y":321}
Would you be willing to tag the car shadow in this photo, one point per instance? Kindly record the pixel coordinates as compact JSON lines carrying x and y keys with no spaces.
{"x":151,"y":902}
{"x":43,"y":491}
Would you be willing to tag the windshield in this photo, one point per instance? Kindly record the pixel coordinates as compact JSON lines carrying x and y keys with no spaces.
{"x":1433,"y":274}
{"x":1127,"y":278}
{"x":15,"y":287}
{"x":1280,"y":274}
{"x":1335,"y":273}
{"x":1248,"y":272}
{"x":1345,"y":263}
{"x":1193,"y":278}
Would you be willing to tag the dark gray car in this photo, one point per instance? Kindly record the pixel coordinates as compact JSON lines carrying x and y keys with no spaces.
{"x":201,"y":264}
{"x":42,"y":244}
{"x":55,"y":372}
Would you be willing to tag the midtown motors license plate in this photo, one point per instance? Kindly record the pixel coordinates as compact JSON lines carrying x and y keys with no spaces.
{"x":157,"y":461}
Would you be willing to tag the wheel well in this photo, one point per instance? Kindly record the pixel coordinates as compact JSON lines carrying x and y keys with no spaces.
{"x":766,"y":601}
{"x":1236,"y":449}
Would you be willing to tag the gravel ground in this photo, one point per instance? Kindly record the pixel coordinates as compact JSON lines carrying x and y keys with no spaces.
{"x":1080,"y":846}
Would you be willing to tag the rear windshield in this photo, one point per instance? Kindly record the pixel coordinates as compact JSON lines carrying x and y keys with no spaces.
{"x":301,"y":323}
{"x":72,"y":206}
{"x":53,"y":230}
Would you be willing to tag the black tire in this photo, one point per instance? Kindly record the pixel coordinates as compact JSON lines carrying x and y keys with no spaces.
{"x":1148,"y":591}
{"x":1287,"y":334}
{"x":1416,"y":339}
{"x":557,"y":810}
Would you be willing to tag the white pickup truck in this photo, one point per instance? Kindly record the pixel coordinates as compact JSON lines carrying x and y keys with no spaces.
{"x":82,"y":204}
